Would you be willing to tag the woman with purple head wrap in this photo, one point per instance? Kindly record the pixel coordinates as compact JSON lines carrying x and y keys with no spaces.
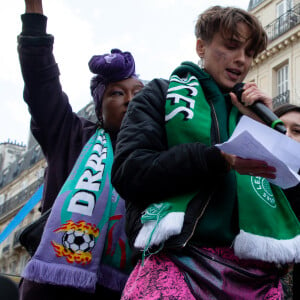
{"x":113,"y":71}
{"x":74,"y":261}
{"x":108,"y":68}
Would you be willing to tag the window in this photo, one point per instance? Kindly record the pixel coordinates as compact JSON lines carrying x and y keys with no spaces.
{"x":281,"y":12}
{"x":256,"y":2}
{"x":2,"y":199}
{"x":282,"y":79}
{"x":283,"y":6}
{"x":282,"y":86}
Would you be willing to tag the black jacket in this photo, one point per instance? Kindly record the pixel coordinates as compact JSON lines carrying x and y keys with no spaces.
{"x":60,"y":132}
{"x":145,"y":171}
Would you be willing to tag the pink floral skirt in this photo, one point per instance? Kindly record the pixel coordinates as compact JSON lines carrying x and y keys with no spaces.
{"x":159,"y":278}
{"x":203,"y":274}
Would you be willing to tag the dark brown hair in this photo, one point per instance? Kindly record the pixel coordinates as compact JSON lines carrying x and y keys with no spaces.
{"x":224,"y":20}
{"x":285,"y":108}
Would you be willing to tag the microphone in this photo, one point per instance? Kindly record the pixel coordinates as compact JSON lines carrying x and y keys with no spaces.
{"x":261,"y":110}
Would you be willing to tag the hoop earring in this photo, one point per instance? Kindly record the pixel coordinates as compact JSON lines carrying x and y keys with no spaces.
{"x":201,"y":63}
{"x":100,"y":122}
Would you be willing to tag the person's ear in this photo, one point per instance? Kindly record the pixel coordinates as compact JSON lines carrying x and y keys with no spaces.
{"x":200,"y":48}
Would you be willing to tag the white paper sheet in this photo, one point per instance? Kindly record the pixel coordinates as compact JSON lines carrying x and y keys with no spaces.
{"x":254,"y":140}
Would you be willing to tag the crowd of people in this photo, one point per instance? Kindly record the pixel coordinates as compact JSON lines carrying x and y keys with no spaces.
{"x":143,"y":204}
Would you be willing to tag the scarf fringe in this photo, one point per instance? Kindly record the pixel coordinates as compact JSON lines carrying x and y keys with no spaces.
{"x":156,"y":232}
{"x":51,"y":273}
{"x":252,"y":246}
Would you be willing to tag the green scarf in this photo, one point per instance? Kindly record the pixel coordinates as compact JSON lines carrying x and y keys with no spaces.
{"x":269,"y":230}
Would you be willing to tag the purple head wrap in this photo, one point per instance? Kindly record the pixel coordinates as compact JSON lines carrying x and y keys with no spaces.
{"x":112,"y":67}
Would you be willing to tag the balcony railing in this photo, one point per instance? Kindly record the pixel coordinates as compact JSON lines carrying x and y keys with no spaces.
{"x":281,"y":99}
{"x":284,"y":23}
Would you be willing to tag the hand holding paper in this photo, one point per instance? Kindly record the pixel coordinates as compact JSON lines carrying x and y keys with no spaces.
{"x":254,"y":140}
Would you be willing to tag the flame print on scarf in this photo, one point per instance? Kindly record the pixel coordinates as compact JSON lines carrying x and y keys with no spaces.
{"x":78,"y":241}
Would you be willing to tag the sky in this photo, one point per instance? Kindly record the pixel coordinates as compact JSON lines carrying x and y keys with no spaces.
{"x":159,"y":34}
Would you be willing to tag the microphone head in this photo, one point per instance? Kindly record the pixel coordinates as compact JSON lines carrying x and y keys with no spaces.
{"x":238,"y":90}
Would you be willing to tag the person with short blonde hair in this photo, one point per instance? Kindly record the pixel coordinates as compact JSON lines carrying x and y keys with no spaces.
{"x":183,"y":195}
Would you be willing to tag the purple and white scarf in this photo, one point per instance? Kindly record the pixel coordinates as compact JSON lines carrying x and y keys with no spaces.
{"x":84,"y":241}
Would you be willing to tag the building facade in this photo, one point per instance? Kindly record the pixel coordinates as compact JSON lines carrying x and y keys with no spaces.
{"x":277,"y":70}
